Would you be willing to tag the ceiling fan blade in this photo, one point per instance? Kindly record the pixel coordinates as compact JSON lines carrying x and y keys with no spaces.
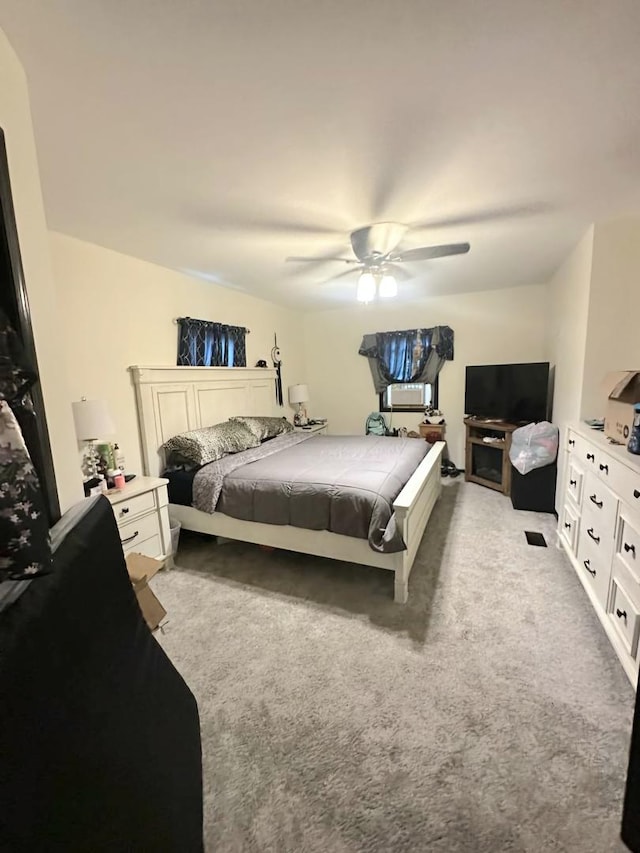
{"x":426,"y":253}
{"x":376,"y":240}
{"x":333,"y":278}
{"x":297,"y":259}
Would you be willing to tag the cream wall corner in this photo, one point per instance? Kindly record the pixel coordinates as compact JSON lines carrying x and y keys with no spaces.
{"x":120,"y":311}
{"x":612,"y":337}
{"x":15,"y":120}
{"x":494,"y":326}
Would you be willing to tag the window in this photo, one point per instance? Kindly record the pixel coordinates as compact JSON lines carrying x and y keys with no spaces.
{"x":409,"y":397}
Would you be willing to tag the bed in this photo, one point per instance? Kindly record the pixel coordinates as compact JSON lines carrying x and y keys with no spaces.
{"x":172,"y":400}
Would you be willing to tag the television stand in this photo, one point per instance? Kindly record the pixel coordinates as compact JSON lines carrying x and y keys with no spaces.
{"x":487,"y":453}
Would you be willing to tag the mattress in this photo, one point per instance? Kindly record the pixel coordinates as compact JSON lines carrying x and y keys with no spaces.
{"x":343,"y":484}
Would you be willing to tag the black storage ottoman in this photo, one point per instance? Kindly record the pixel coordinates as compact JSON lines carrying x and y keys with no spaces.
{"x":536,"y":490}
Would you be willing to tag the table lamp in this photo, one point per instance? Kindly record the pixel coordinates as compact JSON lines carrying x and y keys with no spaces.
{"x":299,"y":394}
{"x":92,"y":421}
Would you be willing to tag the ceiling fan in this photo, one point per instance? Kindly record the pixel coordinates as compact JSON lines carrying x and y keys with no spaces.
{"x":377,"y":257}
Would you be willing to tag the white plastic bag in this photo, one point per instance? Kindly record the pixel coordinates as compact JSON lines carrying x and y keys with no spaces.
{"x":534,"y":446}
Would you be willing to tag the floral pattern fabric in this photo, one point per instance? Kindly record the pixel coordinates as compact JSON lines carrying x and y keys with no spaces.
{"x":264,"y":427}
{"x":25,"y":548}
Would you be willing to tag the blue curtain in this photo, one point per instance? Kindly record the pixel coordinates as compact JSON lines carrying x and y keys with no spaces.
{"x":402,"y":355}
{"x":202,"y":343}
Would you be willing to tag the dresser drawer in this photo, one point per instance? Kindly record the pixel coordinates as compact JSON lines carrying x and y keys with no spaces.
{"x":600,"y":502}
{"x":584,"y":453}
{"x":628,"y":545}
{"x":130,"y":508}
{"x":625,"y":617}
{"x":139,"y":530}
{"x":628,"y":487}
{"x":595,"y":567}
{"x":568,"y":526}
{"x":575,"y":478}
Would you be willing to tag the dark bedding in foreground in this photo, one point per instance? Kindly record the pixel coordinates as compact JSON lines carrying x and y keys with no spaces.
{"x":344,"y":484}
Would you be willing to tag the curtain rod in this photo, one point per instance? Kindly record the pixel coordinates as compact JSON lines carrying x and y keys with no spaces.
{"x":177,"y":320}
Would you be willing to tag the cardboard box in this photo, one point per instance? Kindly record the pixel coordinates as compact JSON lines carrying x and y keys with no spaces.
{"x":141,"y":569}
{"x":623,"y":391}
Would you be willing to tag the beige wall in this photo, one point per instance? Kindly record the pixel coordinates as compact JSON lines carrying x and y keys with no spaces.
{"x":568,"y":309}
{"x":15,"y":120}
{"x":119,"y":311}
{"x":612,"y":334}
{"x":495,"y":326}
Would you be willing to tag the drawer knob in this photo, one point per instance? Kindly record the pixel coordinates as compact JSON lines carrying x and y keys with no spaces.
{"x":587,"y":565}
{"x":631,"y":548}
{"x":130,"y":538}
{"x":573,"y":482}
{"x":595,"y":538}
{"x":572,"y":442}
{"x":124,"y":510}
{"x":591,"y":457}
{"x":567,"y":524}
{"x":594,"y":500}
{"x":604,"y":468}
{"x":622,"y":614}
{"x":636,"y":493}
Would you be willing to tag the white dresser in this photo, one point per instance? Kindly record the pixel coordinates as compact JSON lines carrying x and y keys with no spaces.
{"x":599,"y":528}
{"x":142,"y":513}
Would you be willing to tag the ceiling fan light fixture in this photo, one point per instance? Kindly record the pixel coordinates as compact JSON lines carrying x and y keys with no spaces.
{"x":388,"y":286}
{"x":366,"y":287}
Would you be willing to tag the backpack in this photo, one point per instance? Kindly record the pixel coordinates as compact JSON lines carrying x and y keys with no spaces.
{"x":376,"y":424}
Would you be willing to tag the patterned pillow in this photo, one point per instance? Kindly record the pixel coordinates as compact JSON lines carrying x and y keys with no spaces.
{"x":263,"y":428}
{"x":200,"y":446}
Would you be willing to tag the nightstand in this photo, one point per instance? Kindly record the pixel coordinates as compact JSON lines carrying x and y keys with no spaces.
{"x":433,"y":432}
{"x":314,"y":429}
{"x":142,"y":513}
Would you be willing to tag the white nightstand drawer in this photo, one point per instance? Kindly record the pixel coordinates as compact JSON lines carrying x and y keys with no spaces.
{"x":568,"y":526}
{"x":137,"y":531}
{"x":127,"y":509}
{"x":150,"y":547}
{"x":625,"y":618}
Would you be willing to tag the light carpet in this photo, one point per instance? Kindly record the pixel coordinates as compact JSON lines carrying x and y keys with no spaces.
{"x":488,"y":714}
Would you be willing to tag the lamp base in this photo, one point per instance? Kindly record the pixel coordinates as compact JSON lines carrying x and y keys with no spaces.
{"x":300,"y":417}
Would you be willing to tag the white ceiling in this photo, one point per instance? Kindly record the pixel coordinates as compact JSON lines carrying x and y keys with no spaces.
{"x":220,"y":136}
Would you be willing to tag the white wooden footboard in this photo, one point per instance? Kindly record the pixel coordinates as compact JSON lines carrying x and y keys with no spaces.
{"x":412,"y":508}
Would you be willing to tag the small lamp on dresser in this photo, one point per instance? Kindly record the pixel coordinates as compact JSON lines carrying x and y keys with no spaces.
{"x":299,"y":394}
{"x":92,"y":421}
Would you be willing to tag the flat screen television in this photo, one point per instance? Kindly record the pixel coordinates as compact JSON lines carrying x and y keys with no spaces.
{"x":509,"y":392}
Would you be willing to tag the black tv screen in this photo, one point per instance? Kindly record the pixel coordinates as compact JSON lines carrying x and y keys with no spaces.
{"x":510,"y":392}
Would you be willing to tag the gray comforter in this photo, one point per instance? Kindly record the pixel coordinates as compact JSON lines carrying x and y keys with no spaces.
{"x":345,"y":484}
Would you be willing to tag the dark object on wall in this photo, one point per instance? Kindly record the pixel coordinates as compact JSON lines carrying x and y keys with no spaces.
{"x":631,"y":813}
{"x":202,"y":343}
{"x":15,"y":304}
{"x":261,"y":363}
{"x":100,"y":738}
{"x":276,"y":355}
{"x":535,"y":491}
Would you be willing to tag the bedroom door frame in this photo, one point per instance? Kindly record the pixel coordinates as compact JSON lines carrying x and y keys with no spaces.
{"x":17,"y":306}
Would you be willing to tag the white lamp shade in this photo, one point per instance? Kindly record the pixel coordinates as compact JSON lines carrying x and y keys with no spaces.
{"x":388,"y":287}
{"x":366,"y":287}
{"x":298,"y":394}
{"x":92,"y":419}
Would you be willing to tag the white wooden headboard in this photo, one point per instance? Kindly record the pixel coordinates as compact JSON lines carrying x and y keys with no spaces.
{"x":171,"y":400}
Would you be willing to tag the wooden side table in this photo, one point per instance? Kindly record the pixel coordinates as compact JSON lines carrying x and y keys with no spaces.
{"x":433,"y":432}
